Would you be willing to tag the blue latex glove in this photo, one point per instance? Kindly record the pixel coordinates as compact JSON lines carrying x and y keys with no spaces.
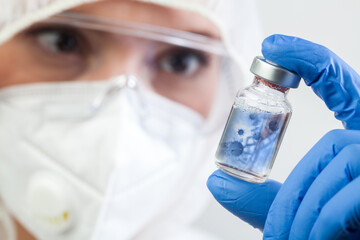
{"x":335,"y":82}
{"x":321,"y":197}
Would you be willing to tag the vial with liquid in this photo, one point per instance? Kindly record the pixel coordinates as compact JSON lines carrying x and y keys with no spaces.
{"x":257,"y":123}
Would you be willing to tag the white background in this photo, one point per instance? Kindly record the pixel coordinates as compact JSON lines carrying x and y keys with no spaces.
{"x":332,"y":23}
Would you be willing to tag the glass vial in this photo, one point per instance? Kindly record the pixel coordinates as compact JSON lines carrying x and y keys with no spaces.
{"x":257,"y":123}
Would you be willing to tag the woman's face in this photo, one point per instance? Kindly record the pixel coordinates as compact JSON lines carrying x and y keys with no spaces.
{"x":48,"y":53}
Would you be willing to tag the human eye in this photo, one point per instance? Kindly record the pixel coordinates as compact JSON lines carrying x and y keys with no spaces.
{"x":182,"y":61}
{"x":55,"y":52}
{"x":58,"y":39}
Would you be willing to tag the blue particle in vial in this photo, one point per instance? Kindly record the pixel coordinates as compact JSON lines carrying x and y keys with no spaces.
{"x":252,"y":117}
{"x":240,"y":132}
{"x":273,"y":126}
{"x":235,"y":148}
{"x":223,"y":148}
{"x":257,"y":136}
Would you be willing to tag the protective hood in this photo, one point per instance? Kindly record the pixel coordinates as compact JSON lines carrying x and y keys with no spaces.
{"x":236,"y":19}
{"x":238,"y":23}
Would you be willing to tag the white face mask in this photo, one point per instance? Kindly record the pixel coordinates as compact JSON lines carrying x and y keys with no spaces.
{"x":69,"y":151}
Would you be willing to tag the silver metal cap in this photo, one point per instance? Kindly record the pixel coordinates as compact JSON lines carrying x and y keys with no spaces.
{"x":274,"y":73}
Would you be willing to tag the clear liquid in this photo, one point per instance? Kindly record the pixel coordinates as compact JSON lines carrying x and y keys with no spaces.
{"x":250,"y":142}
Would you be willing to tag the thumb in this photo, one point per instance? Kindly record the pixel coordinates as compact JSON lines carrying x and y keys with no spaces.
{"x":248,"y":201}
{"x":335,"y":82}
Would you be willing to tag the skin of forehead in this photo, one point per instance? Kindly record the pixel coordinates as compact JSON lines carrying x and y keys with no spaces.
{"x":151,"y":14}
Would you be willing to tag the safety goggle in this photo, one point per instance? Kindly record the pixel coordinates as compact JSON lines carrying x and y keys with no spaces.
{"x":179,"y":65}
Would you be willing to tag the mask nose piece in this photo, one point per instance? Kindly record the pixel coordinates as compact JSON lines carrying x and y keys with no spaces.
{"x":117,"y":84}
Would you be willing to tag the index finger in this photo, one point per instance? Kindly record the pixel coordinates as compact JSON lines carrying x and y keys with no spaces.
{"x":286,"y":203}
{"x":334,"y":81}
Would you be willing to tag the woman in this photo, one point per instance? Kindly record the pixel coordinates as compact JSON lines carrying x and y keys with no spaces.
{"x":109,"y":110}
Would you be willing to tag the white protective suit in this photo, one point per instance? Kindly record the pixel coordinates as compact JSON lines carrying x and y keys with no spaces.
{"x":239,"y":27}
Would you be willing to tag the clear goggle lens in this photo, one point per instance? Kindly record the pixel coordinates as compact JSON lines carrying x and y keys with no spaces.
{"x":178,"y":65}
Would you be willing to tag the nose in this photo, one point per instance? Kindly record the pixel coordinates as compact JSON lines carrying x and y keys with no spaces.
{"x":119,"y":57}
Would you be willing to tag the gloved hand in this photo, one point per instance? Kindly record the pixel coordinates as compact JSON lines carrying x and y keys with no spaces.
{"x":321,"y":197}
